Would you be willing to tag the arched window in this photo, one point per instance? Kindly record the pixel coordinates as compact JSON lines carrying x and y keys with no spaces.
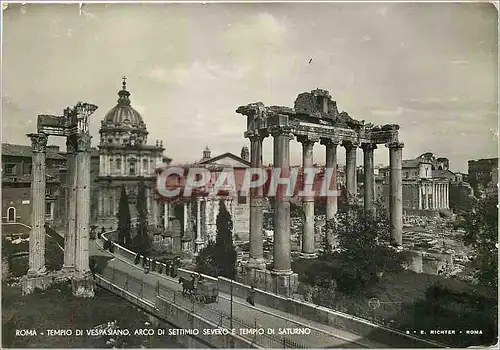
{"x":11,"y":214}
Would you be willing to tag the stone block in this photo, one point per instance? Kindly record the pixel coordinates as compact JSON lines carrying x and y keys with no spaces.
{"x":83,"y":286}
{"x":30,"y":283}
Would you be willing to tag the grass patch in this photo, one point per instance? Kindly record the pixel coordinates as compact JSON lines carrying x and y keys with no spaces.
{"x":413,"y":301}
{"x":55,"y":309}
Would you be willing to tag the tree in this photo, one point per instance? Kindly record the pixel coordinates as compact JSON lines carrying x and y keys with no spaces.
{"x":219,"y":258}
{"x":124,"y":221}
{"x":142,"y":239}
{"x":205,"y":262}
{"x":366,"y":250}
{"x":481,"y":233}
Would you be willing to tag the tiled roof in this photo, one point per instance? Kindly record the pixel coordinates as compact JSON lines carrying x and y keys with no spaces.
{"x":442,"y":173}
{"x":27,"y":179}
{"x":411,"y":163}
{"x":12,"y":150}
{"x":222,"y":156}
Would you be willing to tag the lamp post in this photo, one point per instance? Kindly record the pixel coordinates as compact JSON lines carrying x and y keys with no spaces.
{"x":231,"y":341}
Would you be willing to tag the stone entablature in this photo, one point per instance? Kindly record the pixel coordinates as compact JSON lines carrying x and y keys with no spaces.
{"x":309,"y":120}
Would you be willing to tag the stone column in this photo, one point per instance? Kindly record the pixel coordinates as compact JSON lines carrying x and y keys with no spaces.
{"x":83,"y":204}
{"x":419,"y":186}
{"x":426,"y":196}
{"x":37,"y":235}
{"x":331,"y":163}
{"x":154,"y":208}
{"x":439,"y":196}
{"x":256,"y":259}
{"x":308,"y":244}
{"x":105,"y":201}
{"x":369,"y":177}
{"x":443,"y":196}
{"x":185,"y":218}
{"x":446,"y":196}
{"x":281,"y":250}
{"x":199,"y":240}
{"x":148,"y":202}
{"x":396,"y":191}
{"x":165,"y":216}
{"x":70,"y":235}
{"x":351,"y":182}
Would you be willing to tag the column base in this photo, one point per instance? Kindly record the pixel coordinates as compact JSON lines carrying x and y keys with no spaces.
{"x":285,"y":284}
{"x":83,"y":285}
{"x":276,"y":272}
{"x":31,"y":283}
{"x":303,"y":255}
{"x":68,"y":269}
{"x":36,"y":273}
{"x":198,"y":245}
{"x":256,"y":263}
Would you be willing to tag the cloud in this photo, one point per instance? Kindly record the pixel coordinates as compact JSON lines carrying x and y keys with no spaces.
{"x":391,"y":113}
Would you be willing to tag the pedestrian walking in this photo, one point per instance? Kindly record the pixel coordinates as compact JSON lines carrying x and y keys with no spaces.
{"x":251,"y":297}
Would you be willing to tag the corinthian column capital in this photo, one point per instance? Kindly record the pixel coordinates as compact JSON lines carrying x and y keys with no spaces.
{"x":348,"y":145}
{"x":395,"y":144}
{"x":307,"y":139}
{"x":255,"y":135}
{"x":38,"y":142}
{"x":281,"y":131}
{"x":368,"y":146}
{"x":331,"y":141}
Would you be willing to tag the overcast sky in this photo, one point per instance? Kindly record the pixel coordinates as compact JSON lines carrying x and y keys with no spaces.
{"x":432,"y":68}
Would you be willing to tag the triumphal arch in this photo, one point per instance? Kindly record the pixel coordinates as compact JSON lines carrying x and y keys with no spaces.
{"x":74,"y":126}
{"x":315,"y":118}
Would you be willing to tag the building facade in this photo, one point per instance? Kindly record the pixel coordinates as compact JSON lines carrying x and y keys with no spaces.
{"x":16,"y":184}
{"x":426,"y":184}
{"x":125,"y":158}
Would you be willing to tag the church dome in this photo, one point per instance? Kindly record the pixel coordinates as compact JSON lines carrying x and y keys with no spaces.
{"x":123,"y":115}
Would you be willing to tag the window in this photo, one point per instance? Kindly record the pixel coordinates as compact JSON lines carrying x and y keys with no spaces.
{"x":132,"y":168}
{"x":10,"y":169}
{"x":11,"y":214}
{"x":48,"y":209}
{"x":27,"y":169}
{"x":118,"y":164}
{"x":242,"y":200}
{"x":145,"y":165}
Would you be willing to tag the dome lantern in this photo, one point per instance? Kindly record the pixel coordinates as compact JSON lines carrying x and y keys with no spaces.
{"x":123,"y":115}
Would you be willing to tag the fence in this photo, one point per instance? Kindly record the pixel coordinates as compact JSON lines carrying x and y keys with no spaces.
{"x":149,"y":292}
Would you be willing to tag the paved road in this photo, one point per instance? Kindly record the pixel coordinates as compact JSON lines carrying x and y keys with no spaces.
{"x":321,"y":336}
